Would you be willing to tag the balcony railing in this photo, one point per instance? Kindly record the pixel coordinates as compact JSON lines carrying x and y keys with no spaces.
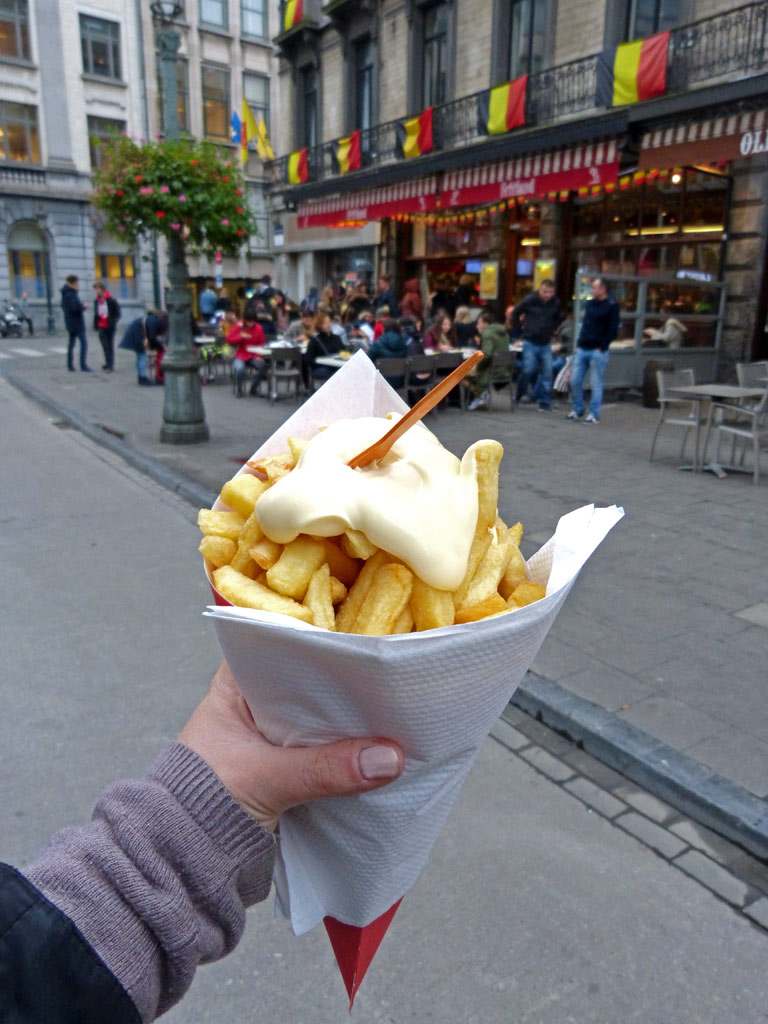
{"x":735,"y":42}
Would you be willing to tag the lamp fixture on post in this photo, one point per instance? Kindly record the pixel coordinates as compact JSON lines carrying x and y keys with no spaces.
{"x":183,"y":413}
{"x":42,"y":223}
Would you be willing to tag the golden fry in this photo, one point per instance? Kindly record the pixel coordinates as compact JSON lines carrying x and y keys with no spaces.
{"x":297,"y":446}
{"x":358,"y":592}
{"x":242,"y":492}
{"x":526,"y":593}
{"x":490,"y":606}
{"x":431,"y":608}
{"x":514,"y":574}
{"x":218,"y":550}
{"x":318,"y":598}
{"x":357,"y":545}
{"x":404,"y":621}
{"x":388,"y":595}
{"x":488,"y":456}
{"x":491,"y":568}
{"x":220,"y":524}
{"x":291,"y":573}
{"x":342,"y":566}
{"x":265,"y":553}
{"x":517,"y":533}
{"x":246,"y":593}
{"x":338,"y":590}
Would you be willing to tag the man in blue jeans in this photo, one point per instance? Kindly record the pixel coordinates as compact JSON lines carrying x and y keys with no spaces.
{"x":540,"y":316}
{"x":598,"y":329}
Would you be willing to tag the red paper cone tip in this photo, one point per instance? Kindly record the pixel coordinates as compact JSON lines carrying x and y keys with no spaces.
{"x":355,"y":948}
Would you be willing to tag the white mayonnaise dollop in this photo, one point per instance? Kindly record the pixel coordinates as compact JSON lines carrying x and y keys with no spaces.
{"x":419,"y":503}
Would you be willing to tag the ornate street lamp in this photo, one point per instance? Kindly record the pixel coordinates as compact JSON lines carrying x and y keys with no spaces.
{"x":183,"y":413}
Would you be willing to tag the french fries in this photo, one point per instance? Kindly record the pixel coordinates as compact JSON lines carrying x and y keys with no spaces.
{"x":345,"y":583}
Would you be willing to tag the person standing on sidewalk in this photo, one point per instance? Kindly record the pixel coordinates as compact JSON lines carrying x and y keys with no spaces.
{"x":598,"y":329}
{"x":105,"y":316}
{"x":74,"y":321}
{"x":536,"y":319}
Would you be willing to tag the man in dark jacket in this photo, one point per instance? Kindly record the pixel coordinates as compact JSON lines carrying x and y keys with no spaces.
{"x":385,"y":296}
{"x":599,"y":328}
{"x":106,"y":313}
{"x":74,"y":321}
{"x":536,"y":319}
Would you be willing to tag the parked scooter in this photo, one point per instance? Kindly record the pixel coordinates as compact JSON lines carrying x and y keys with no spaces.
{"x":11,"y":324}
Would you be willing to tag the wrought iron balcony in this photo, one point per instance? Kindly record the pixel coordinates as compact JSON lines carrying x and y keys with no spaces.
{"x":704,"y":52}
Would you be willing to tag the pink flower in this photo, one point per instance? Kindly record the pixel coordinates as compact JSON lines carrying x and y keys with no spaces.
{"x":182,"y":199}
{"x":164,"y":188}
{"x":225,"y":222}
{"x":175,"y":226}
{"x":146,"y":190}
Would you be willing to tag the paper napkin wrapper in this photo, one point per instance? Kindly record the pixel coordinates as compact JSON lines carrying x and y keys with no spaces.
{"x":438,"y":693}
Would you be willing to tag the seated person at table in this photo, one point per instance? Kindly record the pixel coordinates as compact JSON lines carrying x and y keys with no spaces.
{"x":441,"y":336}
{"x":244,"y":335}
{"x":260,"y":312}
{"x":324,"y":342}
{"x":391,"y":345}
{"x":302,"y":329}
{"x":493,"y":338}
{"x":465,"y":328}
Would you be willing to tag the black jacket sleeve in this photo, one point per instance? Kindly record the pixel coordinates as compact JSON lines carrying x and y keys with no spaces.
{"x":48,"y":972}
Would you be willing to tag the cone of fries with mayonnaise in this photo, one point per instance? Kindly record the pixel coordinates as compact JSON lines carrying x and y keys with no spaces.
{"x":390,"y":600}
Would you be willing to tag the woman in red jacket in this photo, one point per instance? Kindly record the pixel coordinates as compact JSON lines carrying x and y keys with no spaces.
{"x":245,"y":335}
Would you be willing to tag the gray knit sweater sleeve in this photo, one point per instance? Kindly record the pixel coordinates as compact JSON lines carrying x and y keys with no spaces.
{"x":159,"y":880}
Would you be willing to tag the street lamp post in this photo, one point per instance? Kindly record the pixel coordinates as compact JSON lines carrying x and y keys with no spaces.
{"x":183,"y":413}
{"x":51,"y":320}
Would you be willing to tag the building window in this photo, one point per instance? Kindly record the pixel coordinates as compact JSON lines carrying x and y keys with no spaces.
{"x":216,"y":103}
{"x":435,"y":55}
{"x":256,"y":93}
{"x":647,"y":17}
{"x":27,"y":260}
{"x":18,"y":133}
{"x":100,"y":43}
{"x":114,"y":265}
{"x":363,"y":85}
{"x":182,"y":94}
{"x":214,"y":12}
{"x":14,"y":29}
{"x":253,"y":18}
{"x":527,"y":37}
{"x":309,"y":103}
{"x":101,"y":130}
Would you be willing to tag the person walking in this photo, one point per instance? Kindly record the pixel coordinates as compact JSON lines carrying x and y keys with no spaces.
{"x":536,"y":319}
{"x":74,"y":321}
{"x":598,"y":329}
{"x":106,"y":313}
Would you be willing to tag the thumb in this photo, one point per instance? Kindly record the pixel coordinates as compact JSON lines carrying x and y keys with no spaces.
{"x":299,"y":774}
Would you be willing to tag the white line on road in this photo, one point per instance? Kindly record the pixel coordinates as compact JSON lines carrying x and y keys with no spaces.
{"x":26,"y":352}
{"x":4,"y":355}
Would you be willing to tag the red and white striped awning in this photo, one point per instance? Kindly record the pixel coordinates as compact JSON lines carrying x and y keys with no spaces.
{"x":713,"y":140}
{"x":539,"y":175}
{"x":416,"y":196}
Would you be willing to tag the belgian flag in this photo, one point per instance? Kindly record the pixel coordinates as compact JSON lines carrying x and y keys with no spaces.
{"x":298,"y":168}
{"x":347,"y":153}
{"x":414,"y":134}
{"x":633,"y":71}
{"x":293,"y":13}
{"x":501,"y":109}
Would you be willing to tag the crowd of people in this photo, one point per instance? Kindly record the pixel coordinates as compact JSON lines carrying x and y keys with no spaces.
{"x":382,"y":324}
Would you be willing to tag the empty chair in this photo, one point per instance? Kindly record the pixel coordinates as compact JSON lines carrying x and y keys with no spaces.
{"x":746,"y":424}
{"x":674,"y":411}
{"x":285,"y":369}
{"x":444,"y":363}
{"x":752,"y":375}
{"x":394,"y":372}
{"x":420,"y":376}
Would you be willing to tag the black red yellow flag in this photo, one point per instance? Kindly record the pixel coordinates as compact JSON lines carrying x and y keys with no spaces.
{"x":633,"y":71}
{"x":501,"y":109}
{"x":414,"y":134}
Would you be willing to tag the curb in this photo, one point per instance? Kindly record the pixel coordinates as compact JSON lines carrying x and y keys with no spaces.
{"x":695,"y":790}
{"x":169,"y":478}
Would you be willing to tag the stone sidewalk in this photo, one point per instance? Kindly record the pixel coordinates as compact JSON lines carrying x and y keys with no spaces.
{"x":656,"y":664}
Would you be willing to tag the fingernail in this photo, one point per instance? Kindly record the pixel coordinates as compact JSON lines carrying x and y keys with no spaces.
{"x":378,"y":763}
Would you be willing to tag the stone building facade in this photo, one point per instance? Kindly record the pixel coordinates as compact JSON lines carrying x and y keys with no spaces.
{"x":663,"y":194}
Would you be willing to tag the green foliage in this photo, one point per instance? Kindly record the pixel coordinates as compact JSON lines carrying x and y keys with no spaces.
{"x":176,"y":187}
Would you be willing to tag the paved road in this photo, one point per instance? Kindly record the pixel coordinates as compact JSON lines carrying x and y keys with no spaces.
{"x":549,"y":898}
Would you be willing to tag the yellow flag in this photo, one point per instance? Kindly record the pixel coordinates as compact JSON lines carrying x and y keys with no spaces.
{"x":263,"y":145}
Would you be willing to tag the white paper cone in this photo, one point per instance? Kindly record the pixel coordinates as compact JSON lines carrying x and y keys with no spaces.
{"x":437,"y":693}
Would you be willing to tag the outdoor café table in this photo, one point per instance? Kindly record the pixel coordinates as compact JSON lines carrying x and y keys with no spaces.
{"x":711,"y":393}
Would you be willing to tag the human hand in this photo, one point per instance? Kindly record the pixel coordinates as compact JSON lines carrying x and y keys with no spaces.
{"x":266,"y":780}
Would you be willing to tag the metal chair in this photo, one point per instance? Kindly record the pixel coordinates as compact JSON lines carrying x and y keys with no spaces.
{"x":285,"y":367}
{"x":746,"y":424}
{"x":394,"y":371}
{"x":500,"y":363}
{"x":444,"y":363}
{"x":752,"y":375}
{"x":674,"y":411}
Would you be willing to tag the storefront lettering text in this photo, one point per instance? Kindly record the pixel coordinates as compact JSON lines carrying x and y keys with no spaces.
{"x":753,"y":142}
{"x":517,"y":188}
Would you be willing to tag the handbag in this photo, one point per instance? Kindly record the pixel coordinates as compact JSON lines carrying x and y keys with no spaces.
{"x":563,"y":379}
